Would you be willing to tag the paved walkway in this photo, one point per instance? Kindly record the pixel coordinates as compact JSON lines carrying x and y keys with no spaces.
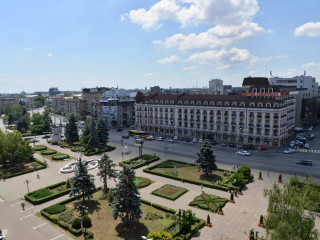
{"x":238,"y":218}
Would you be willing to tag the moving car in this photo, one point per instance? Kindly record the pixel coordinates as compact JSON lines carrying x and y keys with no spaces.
{"x":119,"y":130}
{"x":33,"y":140}
{"x":46,"y":136}
{"x":148,"y":139}
{"x":175,"y":138}
{"x":136,"y":137}
{"x":200,"y":140}
{"x":159,"y":138}
{"x":243,"y":153}
{"x":288,"y":151}
{"x":223,"y":144}
{"x":307,"y":146}
{"x":305,"y":162}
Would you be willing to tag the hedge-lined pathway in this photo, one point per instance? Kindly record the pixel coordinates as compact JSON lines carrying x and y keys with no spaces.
{"x":238,"y":219}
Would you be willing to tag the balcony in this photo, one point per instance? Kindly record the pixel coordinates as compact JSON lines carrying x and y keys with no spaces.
{"x":258,"y":125}
{"x":251,"y":124}
{"x":276,"y":126}
{"x":275,"y":117}
{"x":267,"y":117}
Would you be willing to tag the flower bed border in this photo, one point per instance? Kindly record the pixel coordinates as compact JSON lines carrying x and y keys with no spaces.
{"x":35,"y":201}
{"x":214,"y":186}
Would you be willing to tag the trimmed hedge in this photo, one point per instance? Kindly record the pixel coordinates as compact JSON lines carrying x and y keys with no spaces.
{"x":107,"y":149}
{"x":147,"y":160}
{"x":214,"y":186}
{"x":60,"y":156}
{"x":40,"y":148}
{"x":48,"y":152}
{"x":42,"y":165}
{"x":55,"y":209}
{"x":173,"y":197}
{"x":144,"y":182}
{"x":34,"y":201}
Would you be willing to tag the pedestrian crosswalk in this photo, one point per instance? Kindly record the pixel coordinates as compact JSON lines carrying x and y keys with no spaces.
{"x":308,"y":150}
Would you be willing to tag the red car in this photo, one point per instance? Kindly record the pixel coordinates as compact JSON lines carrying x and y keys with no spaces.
{"x":263,"y":147}
{"x":148,"y":139}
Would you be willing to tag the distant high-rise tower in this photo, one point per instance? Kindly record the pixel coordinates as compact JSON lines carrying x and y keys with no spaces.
{"x":216,"y":85}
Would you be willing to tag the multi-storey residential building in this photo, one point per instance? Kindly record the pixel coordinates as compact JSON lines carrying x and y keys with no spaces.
{"x":92,"y":97}
{"x":8,"y":100}
{"x":68,"y":105}
{"x":307,"y":104}
{"x":260,"y":116}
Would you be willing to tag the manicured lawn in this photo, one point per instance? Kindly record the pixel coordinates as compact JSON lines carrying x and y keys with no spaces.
{"x":137,"y":162}
{"x":188,"y":171}
{"x":208,"y":202}
{"x":142,"y":182}
{"x":105,"y":227}
{"x":170,"y":192}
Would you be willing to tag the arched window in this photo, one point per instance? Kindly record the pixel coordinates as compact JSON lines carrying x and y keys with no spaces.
{"x":242,"y":104}
{"x":276,"y":105}
{"x":192,"y":103}
{"x":180,"y":102}
{"x":262,"y":90}
{"x":186,"y":102}
{"x":161,"y":101}
{"x":268,"y":105}
{"x":156,"y":101}
{"x":205,"y":103}
{"x":234,"y":104}
{"x":226,"y":104}
{"x":252,"y":104}
{"x":172,"y":102}
{"x":166,"y":102}
{"x":270,"y":90}
{"x":151,"y":101}
{"x":260,"y":104}
{"x":198,"y":103}
{"x":212,"y":103}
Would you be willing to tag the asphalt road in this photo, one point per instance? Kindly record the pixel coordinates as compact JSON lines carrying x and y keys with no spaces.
{"x":269,"y":160}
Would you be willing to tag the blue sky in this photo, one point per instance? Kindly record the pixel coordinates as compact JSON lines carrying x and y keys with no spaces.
{"x":171,"y":43}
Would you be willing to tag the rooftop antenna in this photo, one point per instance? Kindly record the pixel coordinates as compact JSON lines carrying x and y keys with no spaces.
{"x":271,"y":73}
{"x":305,"y":72}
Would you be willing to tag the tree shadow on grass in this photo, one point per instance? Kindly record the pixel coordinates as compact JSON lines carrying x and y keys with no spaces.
{"x":210,"y":178}
{"x":131,"y":231}
{"x":93,"y":205}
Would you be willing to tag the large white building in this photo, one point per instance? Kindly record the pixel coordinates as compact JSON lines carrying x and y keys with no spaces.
{"x":307,"y":103}
{"x":216,"y":86}
{"x":260,"y":116}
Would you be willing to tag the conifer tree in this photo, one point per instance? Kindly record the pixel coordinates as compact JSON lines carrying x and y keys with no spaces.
{"x":86,"y":132}
{"x":106,"y":170}
{"x":82,"y":182}
{"x":93,"y":139}
{"x":206,"y":160}
{"x":126,"y":203}
{"x":103,"y":131}
{"x":71,"y":130}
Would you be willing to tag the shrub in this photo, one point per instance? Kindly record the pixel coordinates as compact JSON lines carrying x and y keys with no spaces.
{"x":260,"y":174}
{"x":66,"y":217}
{"x":166,"y":164}
{"x":239,"y":179}
{"x":60,"y":156}
{"x":43,"y":192}
{"x":68,"y":183}
{"x":48,"y":152}
{"x":203,"y":206}
{"x":86,"y":221}
{"x":261,"y":219}
{"x":280,"y":177}
{"x":57,"y":208}
{"x":208,"y":219}
{"x":147,"y":157}
{"x":231,"y":196}
{"x":159,"y":236}
{"x":110,"y":196}
{"x":246,"y":171}
{"x":76,"y":224}
{"x":40,"y":148}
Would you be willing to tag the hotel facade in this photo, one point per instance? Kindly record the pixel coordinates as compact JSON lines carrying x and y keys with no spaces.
{"x":261,"y":116}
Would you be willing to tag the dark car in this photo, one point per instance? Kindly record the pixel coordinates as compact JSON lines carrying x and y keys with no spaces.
{"x":188,"y":139}
{"x":245,"y":147}
{"x":232,"y":145}
{"x":46,"y":136}
{"x":183,"y":139}
{"x":213,"y":142}
{"x":119,"y":130}
{"x":223,"y":144}
{"x":125,"y":136}
{"x":305,"y":162}
{"x":252,"y":147}
{"x":240,"y":146}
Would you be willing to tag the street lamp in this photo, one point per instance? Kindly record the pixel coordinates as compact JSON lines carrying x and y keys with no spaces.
{"x":27,"y":182}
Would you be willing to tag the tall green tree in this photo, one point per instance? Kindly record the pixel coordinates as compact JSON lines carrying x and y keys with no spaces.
{"x":206,"y":160}
{"x":126,"y":203}
{"x":103,"y":131}
{"x":37,"y":119}
{"x":22,"y":124}
{"x":106,"y":170}
{"x":39,"y":101}
{"x":82,"y":182}
{"x":71,"y":130}
{"x":93,"y":139}
{"x":291,"y":212}
{"x":85,"y":132}
{"x":46,"y":125}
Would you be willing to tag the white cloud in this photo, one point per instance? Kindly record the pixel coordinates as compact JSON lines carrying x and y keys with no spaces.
{"x":123,"y":17}
{"x":310,"y":65}
{"x":191,"y":68}
{"x":310,"y":29}
{"x":193,"y":12}
{"x":150,"y":74}
{"x":173,"y":58}
{"x":49,"y":54}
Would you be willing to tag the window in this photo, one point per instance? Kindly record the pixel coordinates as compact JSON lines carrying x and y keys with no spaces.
{"x":219,"y":103}
{"x":151,"y":101}
{"x":270,"y":90}
{"x":260,"y":104}
{"x":180,"y":102}
{"x":262,"y":90}
{"x":212,"y":103}
{"x":156,"y":101}
{"x":205,"y":103}
{"x":172,"y":102}
{"x":161,"y":101}
{"x":252,"y":104}
{"x":166,"y":102}
{"x":242,"y":104}
{"x":268,"y":105}
{"x":186,"y":102}
{"x":226,"y":104}
{"x":192,"y":103}
{"x":234,"y":104}
{"x":198,"y":103}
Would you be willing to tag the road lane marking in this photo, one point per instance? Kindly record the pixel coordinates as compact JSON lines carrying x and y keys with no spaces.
{"x":26,"y":217}
{"x":15,"y":204}
{"x":26,"y":209}
{"x":39,"y":226}
{"x":57,"y":237}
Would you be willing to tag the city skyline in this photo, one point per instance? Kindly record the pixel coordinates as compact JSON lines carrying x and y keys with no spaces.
{"x":169,"y":43}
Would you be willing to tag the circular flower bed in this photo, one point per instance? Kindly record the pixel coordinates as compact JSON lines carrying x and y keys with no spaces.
{"x":60,"y":156}
{"x":48,"y":152}
{"x":40,"y":148}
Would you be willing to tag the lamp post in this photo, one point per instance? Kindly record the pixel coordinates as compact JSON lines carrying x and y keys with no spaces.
{"x":27,"y":182}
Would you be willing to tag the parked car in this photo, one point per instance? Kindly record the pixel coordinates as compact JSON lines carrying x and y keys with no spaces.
{"x":200,"y":140}
{"x":170,"y":140}
{"x":119,"y":130}
{"x":243,"y":153}
{"x":240,"y":146}
{"x":305,"y":162}
{"x":245,"y":147}
{"x":263,"y":147}
{"x":148,"y":139}
{"x":188,"y":139}
{"x":46,"y":136}
{"x":175,"y":138}
{"x":252,"y":147}
{"x":310,"y":128}
{"x":159,"y":138}
{"x":232,"y":145}
{"x":183,"y":139}
{"x":33,"y":140}
{"x":213,"y":142}
{"x":223,"y":144}
{"x":288,"y":151}
{"x":194,"y":140}
{"x":136,"y":137}
{"x":126,"y":136}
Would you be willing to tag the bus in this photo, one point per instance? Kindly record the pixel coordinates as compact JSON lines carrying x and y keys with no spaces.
{"x":142,"y":134}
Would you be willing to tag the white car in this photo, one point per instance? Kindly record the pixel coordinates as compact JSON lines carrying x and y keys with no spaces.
{"x":310,"y":128}
{"x":200,"y":140}
{"x":151,"y":137}
{"x":307,"y":146}
{"x":243,"y":153}
{"x":170,"y":140}
{"x":159,"y":138}
{"x":288,"y":151}
{"x":175,"y":138}
{"x":194,"y":140}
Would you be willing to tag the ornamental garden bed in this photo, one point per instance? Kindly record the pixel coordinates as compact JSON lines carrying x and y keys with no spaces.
{"x":49,"y":193}
{"x":209,"y":202}
{"x":40,"y":148}
{"x":219,"y":179}
{"x":169,"y":192}
{"x":136,"y":162}
{"x":142,"y":182}
{"x":154,"y":218}
{"x":79,"y":147}
{"x":10,"y":171}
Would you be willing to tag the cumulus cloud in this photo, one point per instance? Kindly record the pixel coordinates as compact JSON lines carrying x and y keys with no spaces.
{"x":310,"y":29}
{"x":193,"y":12}
{"x":173,"y":58}
{"x":150,"y":74}
{"x":49,"y":54}
{"x":310,"y":65}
